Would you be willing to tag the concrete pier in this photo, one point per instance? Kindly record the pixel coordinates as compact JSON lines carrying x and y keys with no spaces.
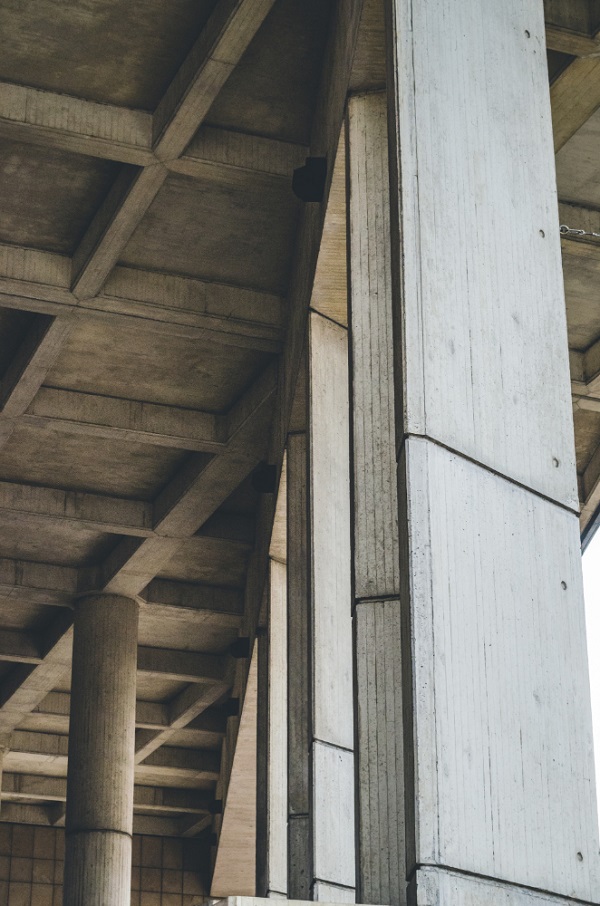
{"x":101,"y":753}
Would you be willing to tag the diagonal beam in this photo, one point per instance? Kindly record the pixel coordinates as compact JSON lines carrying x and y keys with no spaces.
{"x":31,"y":363}
{"x":203,"y":73}
{"x":187,"y":706}
{"x":177,"y":118}
{"x":196,"y":492}
{"x":130,"y":197}
{"x":575,"y":96}
{"x":27,"y":685}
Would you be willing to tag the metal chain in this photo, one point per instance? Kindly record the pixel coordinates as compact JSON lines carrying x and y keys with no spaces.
{"x":569,"y":231}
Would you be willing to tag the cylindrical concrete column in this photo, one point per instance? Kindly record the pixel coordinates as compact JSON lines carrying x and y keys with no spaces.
{"x":101,"y":753}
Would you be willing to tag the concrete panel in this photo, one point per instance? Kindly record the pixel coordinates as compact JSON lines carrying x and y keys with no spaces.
{"x":483,"y":313}
{"x":333,"y":815}
{"x":256,"y":218}
{"x":149,"y":38}
{"x":503,"y":777}
{"x":376,"y":563}
{"x":173,"y":371}
{"x":330,"y":533}
{"x":380,"y":757}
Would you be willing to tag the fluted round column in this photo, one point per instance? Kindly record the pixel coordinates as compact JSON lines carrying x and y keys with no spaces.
{"x":101,"y":753}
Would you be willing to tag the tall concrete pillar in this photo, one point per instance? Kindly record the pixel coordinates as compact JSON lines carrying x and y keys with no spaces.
{"x":101,"y":753}
{"x":496,"y":721}
{"x":272,"y":799}
{"x":320,"y":704}
{"x":376,"y":550}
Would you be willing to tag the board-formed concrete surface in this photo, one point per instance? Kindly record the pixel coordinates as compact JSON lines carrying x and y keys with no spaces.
{"x":155,"y":275}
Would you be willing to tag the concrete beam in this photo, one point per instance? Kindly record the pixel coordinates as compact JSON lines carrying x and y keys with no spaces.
{"x":187,"y":706}
{"x":37,"y":281}
{"x":45,"y":816}
{"x":28,"y":368}
{"x":203,"y":73}
{"x":33,"y":116}
{"x":575,"y":96}
{"x":113,"y":226}
{"x":33,"y":787}
{"x":108,"y":418}
{"x":46,"y":753}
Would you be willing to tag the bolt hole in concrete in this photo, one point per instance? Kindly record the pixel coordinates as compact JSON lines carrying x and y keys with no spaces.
{"x":580,"y":857}
{"x":527,"y":33}
{"x":563,"y":585}
{"x":555,"y":462}
{"x":542,"y":234}
{"x":591,"y":587}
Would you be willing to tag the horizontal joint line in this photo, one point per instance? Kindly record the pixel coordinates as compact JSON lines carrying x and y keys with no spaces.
{"x":374,"y":599}
{"x":97,"y":830}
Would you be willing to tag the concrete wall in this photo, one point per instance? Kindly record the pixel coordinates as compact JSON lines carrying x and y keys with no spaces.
{"x":32,"y":860}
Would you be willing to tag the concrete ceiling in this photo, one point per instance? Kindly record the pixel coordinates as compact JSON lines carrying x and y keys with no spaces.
{"x":149,"y":249}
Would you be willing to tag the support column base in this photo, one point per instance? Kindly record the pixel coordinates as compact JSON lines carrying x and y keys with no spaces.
{"x":433,"y":886}
{"x":97,"y":869}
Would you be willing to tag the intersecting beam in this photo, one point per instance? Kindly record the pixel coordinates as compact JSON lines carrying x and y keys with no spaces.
{"x":229,"y":30}
{"x":188,"y":705}
{"x":575,"y":96}
{"x":52,"y":120}
{"x":42,"y":583}
{"x":111,"y":229}
{"x":55,"y":707}
{"x":196,"y":492}
{"x":37,"y":281}
{"x":30,"y":751}
{"x":203,"y":73}
{"x":179,"y":666}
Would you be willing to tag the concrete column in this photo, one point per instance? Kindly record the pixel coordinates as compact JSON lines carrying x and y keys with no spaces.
{"x":272,"y":799}
{"x":500,"y":790}
{"x":321,"y":725}
{"x":376,"y":552}
{"x":101,"y":753}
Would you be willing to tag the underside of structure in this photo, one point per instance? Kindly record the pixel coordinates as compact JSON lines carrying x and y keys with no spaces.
{"x":157,"y":272}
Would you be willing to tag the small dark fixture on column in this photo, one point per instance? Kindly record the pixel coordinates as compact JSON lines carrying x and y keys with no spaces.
{"x":308,"y":183}
{"x":264,"y":478}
